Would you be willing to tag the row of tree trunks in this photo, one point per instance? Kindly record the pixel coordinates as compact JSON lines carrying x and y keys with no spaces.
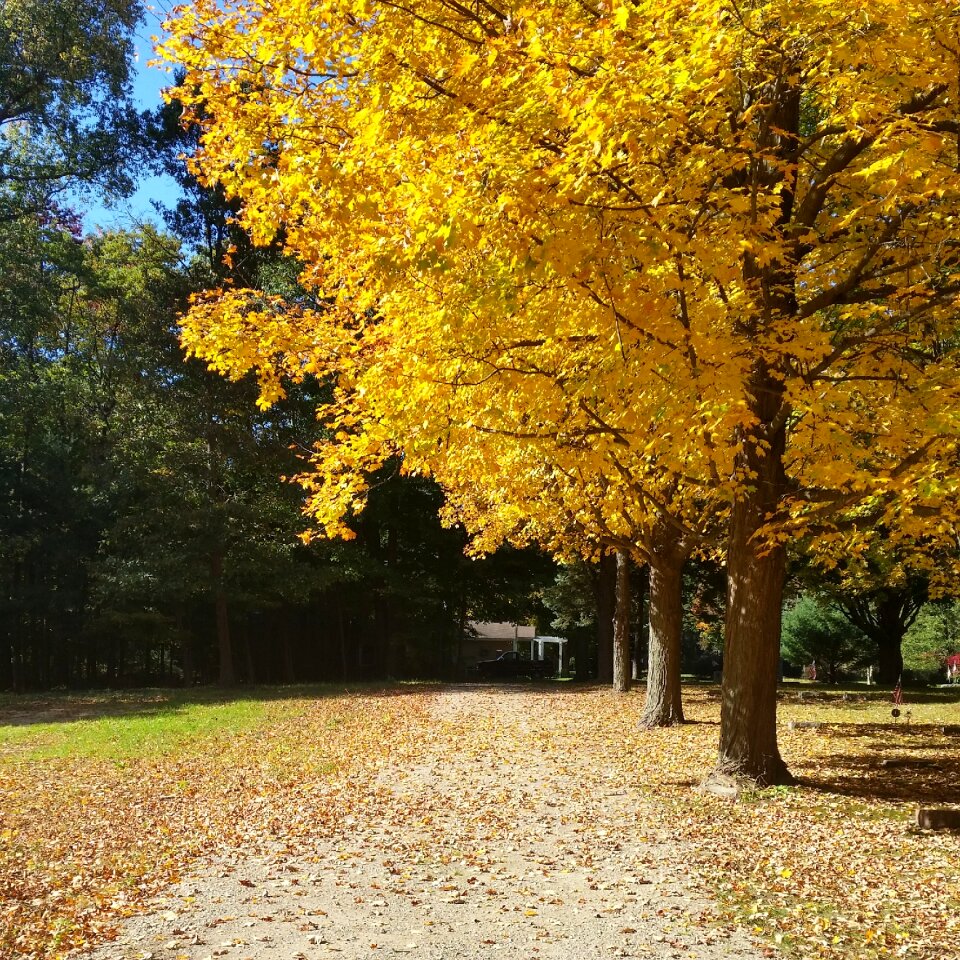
{"x":755,"y":579}
{"x":666,"y":557}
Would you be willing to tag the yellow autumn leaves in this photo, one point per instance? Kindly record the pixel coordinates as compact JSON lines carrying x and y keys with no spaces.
{"x":663,"y":258}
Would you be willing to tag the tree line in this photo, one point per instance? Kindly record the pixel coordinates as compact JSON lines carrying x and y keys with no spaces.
{"x":147,"y":534}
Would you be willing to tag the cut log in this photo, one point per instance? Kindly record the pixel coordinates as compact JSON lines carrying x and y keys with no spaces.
{"x":938,"y":819}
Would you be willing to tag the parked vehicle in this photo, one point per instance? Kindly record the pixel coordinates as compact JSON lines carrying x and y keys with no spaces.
{"x":512,"y":664}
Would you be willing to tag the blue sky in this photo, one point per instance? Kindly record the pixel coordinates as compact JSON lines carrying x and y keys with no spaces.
{"x":146,"y":89}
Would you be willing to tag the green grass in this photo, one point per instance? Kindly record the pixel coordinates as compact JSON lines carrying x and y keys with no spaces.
{"x":119,"y":737}
{"x":122,"y":725}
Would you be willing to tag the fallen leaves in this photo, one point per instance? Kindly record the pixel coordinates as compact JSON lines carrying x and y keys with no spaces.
{"x":85,"y":841}
{"x":830,"y":869}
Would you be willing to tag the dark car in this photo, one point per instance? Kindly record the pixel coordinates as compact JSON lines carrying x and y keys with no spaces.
{"x":511,"y":664}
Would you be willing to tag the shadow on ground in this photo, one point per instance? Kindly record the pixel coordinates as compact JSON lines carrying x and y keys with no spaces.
{"x":27,"y":709}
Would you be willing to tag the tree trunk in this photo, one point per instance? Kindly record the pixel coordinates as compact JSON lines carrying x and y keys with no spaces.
{"x":187,"y":660}
{"x":342,"y":635}
{"x":248,"y":658}
{"x":112,"y":668}
{"x":578,"y":654}
{"x":664,"y":706}
{"x":885,"y":615}
{"x":755,"y":579}
{"x":461,"y":631}
{"x":889,"y":656}
{"x":621,"y":625}
{"x":606,"y":581}
{"x":228,"y":676}
{"x":289,"y":673}
{"x":90,"y":671}
{"x":641,"y":588}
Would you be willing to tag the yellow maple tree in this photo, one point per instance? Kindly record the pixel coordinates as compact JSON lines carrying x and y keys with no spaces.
{"x":704,"y":252}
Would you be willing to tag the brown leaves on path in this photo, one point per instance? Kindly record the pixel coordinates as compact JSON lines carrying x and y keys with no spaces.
{"x":435,"y":786}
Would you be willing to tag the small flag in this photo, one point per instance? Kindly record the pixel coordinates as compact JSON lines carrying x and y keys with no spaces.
{"x":898,"y":694}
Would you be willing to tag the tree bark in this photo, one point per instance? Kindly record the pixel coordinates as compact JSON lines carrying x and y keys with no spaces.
{"x":885,"y":615}
{"x":342,"y":636}
{"x":755,"y":578}
{"x":248,"y":657}
{"x":228,"y":676}
{"x":664,"y":706}
{"x":636,"y":653}
{"x":889,"y":656}
{"x":621,"y":625}
{"x":187,"y":661}
{"x":578,"y":654}
{"x":606,"y":580}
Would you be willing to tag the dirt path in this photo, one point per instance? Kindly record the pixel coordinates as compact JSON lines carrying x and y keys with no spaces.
{"x":520,"y":840}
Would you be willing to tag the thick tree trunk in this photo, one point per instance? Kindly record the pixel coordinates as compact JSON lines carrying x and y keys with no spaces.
{"x":227,"y":674}
{"x":885,"y":616}
{"x":889,"y":656}
{"x":621,"y":626}
{"x":664,"y":706}
{"x":748,"y":718}
{"x":606,"y":582}
{"x":755,"y":578}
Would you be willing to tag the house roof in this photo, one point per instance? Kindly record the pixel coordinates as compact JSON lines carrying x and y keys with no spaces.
{"x":502,"y":631}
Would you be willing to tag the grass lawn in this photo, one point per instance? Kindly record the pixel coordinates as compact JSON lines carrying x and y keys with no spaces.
{"x":105,"y":798}
{"x":118,"y":726}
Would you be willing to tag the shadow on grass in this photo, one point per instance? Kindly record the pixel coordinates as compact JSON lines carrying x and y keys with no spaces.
{"x":862,"y":779}
{"x":46,"y":708}
{"x":18,"y":710}
{"x":853,"y":695}
{"x":928,"y":779}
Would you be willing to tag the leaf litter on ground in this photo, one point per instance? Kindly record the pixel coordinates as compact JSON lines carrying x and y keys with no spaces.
{"x":831,"y":868}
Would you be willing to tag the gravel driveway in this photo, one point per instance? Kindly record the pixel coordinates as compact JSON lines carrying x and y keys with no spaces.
{"x":510,"y":836}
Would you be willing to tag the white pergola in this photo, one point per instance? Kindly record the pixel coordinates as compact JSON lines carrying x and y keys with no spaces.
{"x":538,"y":650}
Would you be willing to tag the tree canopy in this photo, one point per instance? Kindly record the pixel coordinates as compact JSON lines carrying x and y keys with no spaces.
{"x":66,"y":117}
{"x":706,"y":250}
